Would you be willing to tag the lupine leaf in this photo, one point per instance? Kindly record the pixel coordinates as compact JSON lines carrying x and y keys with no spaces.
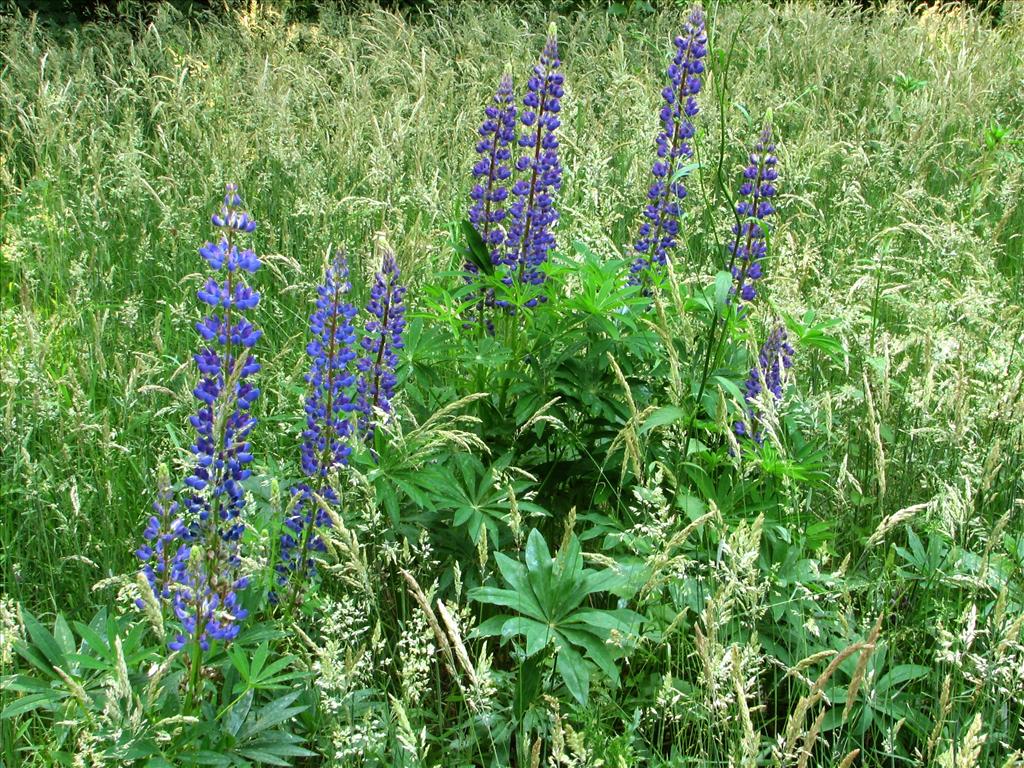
{"x":574,"y":672}
{"x":43,"y":640}
{"x":238,"y":712}
{"x":95,"y":641}
{"x":517,"y":601}
{"x":596,"y":650}
{"x":668,"y":414}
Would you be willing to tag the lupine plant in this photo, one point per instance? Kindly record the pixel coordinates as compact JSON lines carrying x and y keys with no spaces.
{"x":382,"y":338}
{"x":533,"y":213}
{"x":549,"y":508}
{"x":767,"y":376}
{"x":659,"y":232}
{"x":325,"y":441}
{"x":517,"y":237}
{"x":748,"y":247}
{"x":489,"y":195}
{"x":202,"y":580}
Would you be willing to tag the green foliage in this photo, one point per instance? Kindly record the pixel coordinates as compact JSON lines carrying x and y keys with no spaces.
{"x":104,"y":684}
{"x":710,"y":598}
{"x":548,"y":595}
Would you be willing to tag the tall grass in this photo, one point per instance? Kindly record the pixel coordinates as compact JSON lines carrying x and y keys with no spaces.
{"x":904,"y":222}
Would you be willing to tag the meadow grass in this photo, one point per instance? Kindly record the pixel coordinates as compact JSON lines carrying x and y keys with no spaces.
{"x":902,"y":220}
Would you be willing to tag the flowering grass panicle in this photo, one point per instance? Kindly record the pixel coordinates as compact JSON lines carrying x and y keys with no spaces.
{"x":328,"y":404}
{"x":375,"y":386}
{"x":749,"y":245}
{"x":533,"y":213}
{"x":775,"y":357}
{"x":660,"y":230}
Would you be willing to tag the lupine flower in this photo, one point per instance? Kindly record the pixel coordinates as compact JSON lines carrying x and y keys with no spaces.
{"x":775,"y":358}
{"x":533,"y":214}
{"x":324,"y":441}
{"x":206,"y":613}
{"x":383,"y":335}
{"x":163,"y":539}
{"x":490,"y":190}
{"x":493,"y":170}
{"x":748,"y":247}
{"x":204,"y":576}
{"x":659,"y":233}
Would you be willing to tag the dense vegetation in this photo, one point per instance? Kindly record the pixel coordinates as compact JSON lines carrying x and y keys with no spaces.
{"x":518,"y":492}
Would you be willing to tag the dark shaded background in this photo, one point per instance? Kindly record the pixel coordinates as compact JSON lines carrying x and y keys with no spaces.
{"x":79,"y":11}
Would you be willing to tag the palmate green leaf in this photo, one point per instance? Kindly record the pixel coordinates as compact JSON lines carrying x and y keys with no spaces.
{"x":538,"y":572}
{"x":275,"y":713}
{"x":548,"y":592}
{"x":573,"y":670}
{"x":524,"y":603}
{"x":43,"y":641}
{"x":596,"y":650}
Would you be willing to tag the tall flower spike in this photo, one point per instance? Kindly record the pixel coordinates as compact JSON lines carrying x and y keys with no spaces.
{"x":493,"y":170}
{"x":382,"y":337}
{"x":206,"y":613}
{"x":325,"y":439}
{"x":748,"y":247}
{"x":163,"y":539}
{"x":490,"y":190}
{"x":216,"y":500}
{"x":659,"y":232}
{"x":775,"y":358}
{"x":533,"y":213}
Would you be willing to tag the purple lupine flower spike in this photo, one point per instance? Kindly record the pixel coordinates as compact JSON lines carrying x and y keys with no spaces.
{"x":162,"y":539}
{"x":775,"y":358}
{"x":493,"y":170}
{"x":491,"y":174}
{"x":206,"y":612}
{"x":383,"y":336}
{"x":192,"y":559}
{"x":660,"y":230}
{"x":533,"y":214}
{"x":205,"y":598}
{"x":325,"y":439}
{"x":749,"y":247}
